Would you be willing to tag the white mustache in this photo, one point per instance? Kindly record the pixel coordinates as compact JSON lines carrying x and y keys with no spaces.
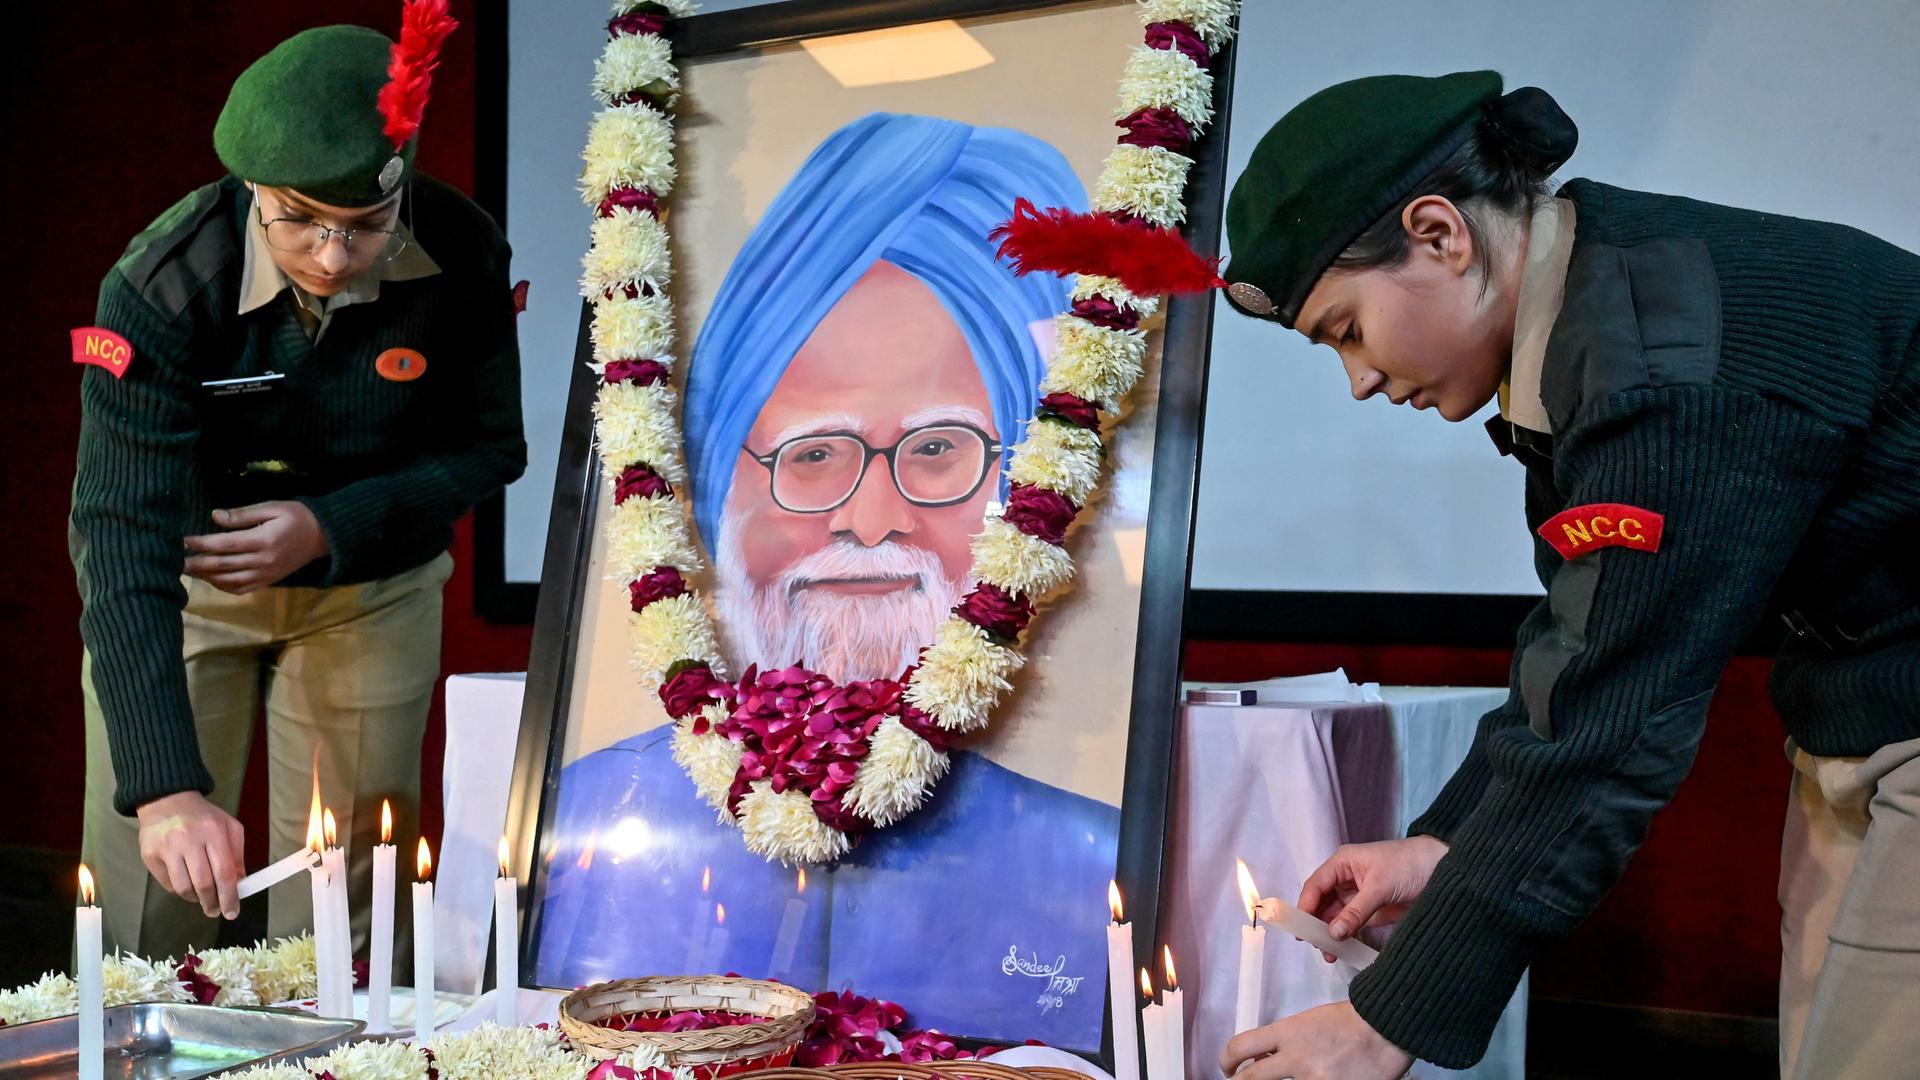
{"x":848,"y":561}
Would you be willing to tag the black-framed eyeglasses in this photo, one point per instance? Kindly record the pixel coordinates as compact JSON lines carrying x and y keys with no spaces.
{"x":303,"y":236}
{"x":937,"y":465}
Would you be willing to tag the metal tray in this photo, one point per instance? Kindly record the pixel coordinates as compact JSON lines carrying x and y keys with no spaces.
{"x":168,"y":1041}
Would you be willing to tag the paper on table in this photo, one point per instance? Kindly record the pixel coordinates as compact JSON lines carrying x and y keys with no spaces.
{"x":1320,"y":689}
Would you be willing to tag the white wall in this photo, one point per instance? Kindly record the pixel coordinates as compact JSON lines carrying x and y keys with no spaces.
{"x":1797,"y":106}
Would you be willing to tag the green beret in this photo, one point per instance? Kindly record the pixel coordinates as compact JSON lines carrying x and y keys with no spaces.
{"x":305,"y":116}
{"x":1330,"y":168}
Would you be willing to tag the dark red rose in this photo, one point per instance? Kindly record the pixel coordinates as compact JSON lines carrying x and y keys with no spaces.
{"x":998,"y":612}
{"x":1040,"y":513}
{"x":203,"y":989}
{"x":1157,"y":127}
{"x":925,"y":726}
{"x":644,"y":372}
{"x":1072,"y":408}
{"x":689,"y":690}
{"x":1179,"y":35}
{"x":630,"y":198}
{"x":663,"y":582}
{"x":1103,"y":312}
{"x":639,"y":481}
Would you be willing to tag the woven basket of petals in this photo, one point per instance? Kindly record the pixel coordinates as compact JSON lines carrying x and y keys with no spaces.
{"x":609,"y":1018}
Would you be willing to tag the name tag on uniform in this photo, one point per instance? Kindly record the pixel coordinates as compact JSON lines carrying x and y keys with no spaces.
{"x":249,"y":385}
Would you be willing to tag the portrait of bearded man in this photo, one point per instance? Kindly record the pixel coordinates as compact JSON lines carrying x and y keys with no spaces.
{"x":850,"y":401}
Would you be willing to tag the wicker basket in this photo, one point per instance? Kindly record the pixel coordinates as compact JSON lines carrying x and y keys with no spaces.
{"x":788,"y":1012}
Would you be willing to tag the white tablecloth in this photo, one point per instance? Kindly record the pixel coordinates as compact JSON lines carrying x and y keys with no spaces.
{"x":1279,"y":786}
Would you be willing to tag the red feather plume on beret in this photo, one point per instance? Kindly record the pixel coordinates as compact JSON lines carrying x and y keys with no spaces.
{"x":1148,"y":260}
{"x":424,"y":26}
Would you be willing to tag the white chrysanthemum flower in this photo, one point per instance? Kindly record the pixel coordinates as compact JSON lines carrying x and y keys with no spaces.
{"x":53,"y":994}
{"x":1211,"y":19}
{"x":127,"y":980}
{"x":1009,"y":558}
{"x":1090,"y":285}
{"x":285,"y":970}
{"x":647,"y":533}
{"x":627,"y":146}
{"x":961,"y":676}
{"x":1148,"y":181}
{"x":636,"y":328}
{"x":668,"y":631}
{"x":679,"y":9}
{"x":783,"y":826}
{"x":1095,"y":362}
{"x":629,"y":248}
{"x":896,"y":776}
{"x":489,"y":1053}
{"x":644,"y":1057}
{"x":272,"y":1072}
{"x":1166,"y":79}
{"x":635,"y":425}
{"x":1058,"y":457}
{"x":710,"y":760}
{"x":382,"y":1059}
{"x":233,"y":970}
{"x":634,"y":62}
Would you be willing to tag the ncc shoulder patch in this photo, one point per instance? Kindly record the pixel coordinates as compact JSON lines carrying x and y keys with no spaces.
{"x":102,"y":348}
{"x":1583,"y":529}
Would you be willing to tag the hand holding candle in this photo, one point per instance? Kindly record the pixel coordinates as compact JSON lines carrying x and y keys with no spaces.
{"x":1120,"y":1006}
{"x":1314,"y":932}
{"x":89,"y":959}
{"x":262,"y":880}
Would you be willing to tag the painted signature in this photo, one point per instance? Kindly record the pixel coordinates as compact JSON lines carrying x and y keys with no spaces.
{"x":1059,"y":986}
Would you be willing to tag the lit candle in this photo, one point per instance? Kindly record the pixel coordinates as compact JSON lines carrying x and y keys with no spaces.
{"x":423,"y":949}
{"x":506,"y":945}
{"x":380,"y":945}
{"x":699,"y":942}
{"x":1175,"y":1000}
{"x":322,"y":908}
{"x":340,"y":954}
{"x":88,"y":959}
{"x":717,"y":941}
{"x":1153,"y":1021}
{"x":789,"y":937}
{"x":262,"y":880}
{"x":1316,"y":933}
{"x":1120,"y":1007}
{"x":1253,"y":957}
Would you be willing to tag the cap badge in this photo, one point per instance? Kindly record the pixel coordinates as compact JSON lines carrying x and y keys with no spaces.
{"x":390,"y":174}
{"x":1250,"y":297}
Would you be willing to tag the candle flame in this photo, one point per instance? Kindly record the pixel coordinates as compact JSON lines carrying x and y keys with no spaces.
{"x":386,"y":822}
{"x":706,"y":878}
{"x":1166,"y":959}
{"x":504,"y":871}
{"x":332,"y":832}
{"x":1113,"y":900}
{"x":1146,"y":985}
{"x":316,"y":836}
{"x":1249,"y":893}
{"x":720,"y":914}
{"x":423,"y":863}
{"x":803,"y":879}
{"x":86,"y":886}
{"x":586,"y":853}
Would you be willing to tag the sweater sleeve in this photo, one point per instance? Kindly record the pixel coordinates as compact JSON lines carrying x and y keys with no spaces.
{"x":1614,"y":694}
{"x":482,"y":447}
{"x":135,"y":469}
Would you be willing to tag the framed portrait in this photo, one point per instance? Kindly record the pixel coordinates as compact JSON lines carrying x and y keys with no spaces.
{"x":856,"y":363}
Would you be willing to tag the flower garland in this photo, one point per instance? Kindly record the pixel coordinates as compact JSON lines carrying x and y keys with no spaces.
{"x":802,"y":765}
{"x":484,"y":1053}
{"x":244,"y":975}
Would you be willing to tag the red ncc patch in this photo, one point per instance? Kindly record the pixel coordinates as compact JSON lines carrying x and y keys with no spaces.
{"x":102,"y":348}
{"x":1585,"y":529}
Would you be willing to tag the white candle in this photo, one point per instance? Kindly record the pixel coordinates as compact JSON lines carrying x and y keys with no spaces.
{"x":1120,"y":1006}
{"x":380,"y":945}
{"x":262,"y":880}
{"x":1316,"y":933}
{"x":506,"y":945}
{"x":322,"y":938}
{"x":700,"y":941}
{"x":88,"y":959}
{"x":1253,"y":957}
{"x":423,"y":950}
{"x":717,"y":941}
{"x":1153,"y":1021}
{"x":788,"y":939}
{"x":1175,"y":1001}
{"x":340,"y":955}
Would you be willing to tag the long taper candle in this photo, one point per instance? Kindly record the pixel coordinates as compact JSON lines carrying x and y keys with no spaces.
{"x":322,"y":908}
{"x":1175,"y":1001}
{"x":380,"y":945}
{"x":1253,"y":956}
{"x":423,"y":948}
{"x":1120,"y":1005}
{"x":1153,"y":1021}
{"x":506,"y":944}
{"x":88,"y":960}
{"x":340,"y":950}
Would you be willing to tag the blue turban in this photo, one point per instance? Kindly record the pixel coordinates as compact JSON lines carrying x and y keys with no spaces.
{"x":917,"y":191}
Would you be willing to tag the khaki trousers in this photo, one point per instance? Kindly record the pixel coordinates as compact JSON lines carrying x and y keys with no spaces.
{"x":347,"y":674}
{"x":1850,"y":931}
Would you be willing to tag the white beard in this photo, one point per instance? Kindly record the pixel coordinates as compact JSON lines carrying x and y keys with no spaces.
{"x":843,"y":637}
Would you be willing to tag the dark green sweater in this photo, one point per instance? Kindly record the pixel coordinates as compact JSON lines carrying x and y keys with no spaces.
{"x":386,"y":466}
{"x":1755,"y":379}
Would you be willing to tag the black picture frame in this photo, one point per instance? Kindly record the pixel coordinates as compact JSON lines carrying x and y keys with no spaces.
{"x":1186,"y":336}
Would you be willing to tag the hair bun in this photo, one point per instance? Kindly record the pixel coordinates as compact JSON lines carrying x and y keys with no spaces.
{"x":1531,"y":121}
